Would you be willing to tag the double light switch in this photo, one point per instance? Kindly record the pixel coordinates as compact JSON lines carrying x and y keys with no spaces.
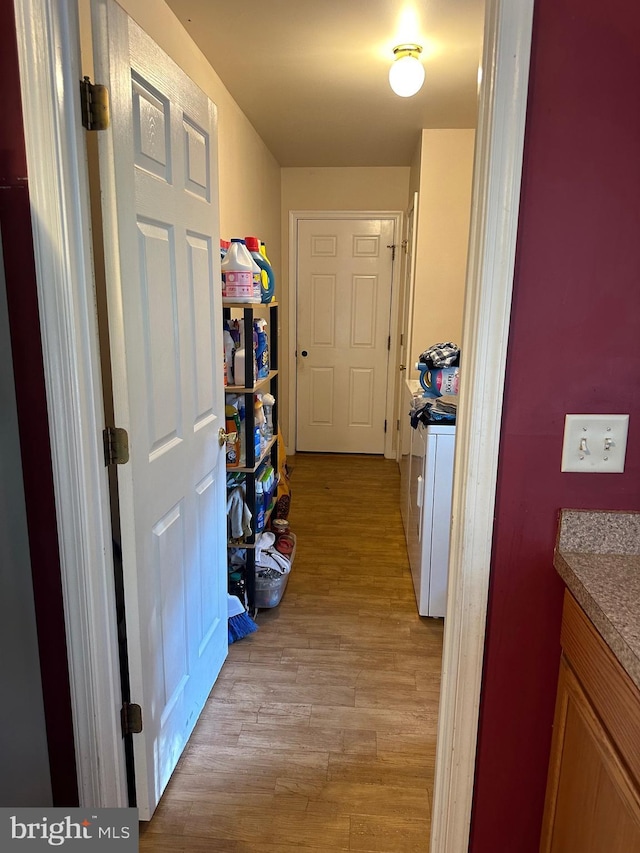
{"x":595,"y":444}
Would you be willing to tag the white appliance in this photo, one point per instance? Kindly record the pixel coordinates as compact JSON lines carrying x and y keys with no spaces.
{"x":427,"y":484}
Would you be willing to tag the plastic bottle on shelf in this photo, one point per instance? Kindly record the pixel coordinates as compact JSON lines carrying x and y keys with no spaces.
{"x":272,"y":290}
{"x":262,"y":349}
{"x":259,"y":426}
{"x":268,"y":279}
{"x":239,"y":367}
{"x":238,"y":274}
{"x":259,"y":506}
{"x":232,"y":421}
{"x":229,"y":350}
{"x":268,"y":402}
{"x":257,"y":280}
{"x":224,"y":248}
{"x":243,"y":429}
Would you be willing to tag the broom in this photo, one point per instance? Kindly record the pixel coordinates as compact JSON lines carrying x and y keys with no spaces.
{"x":240,"y":623}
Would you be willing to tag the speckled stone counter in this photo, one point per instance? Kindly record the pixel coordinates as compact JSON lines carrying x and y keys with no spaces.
{"x":598,"y":557}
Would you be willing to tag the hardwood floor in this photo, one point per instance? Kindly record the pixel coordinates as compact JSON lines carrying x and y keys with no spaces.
{"x":320,"y":732}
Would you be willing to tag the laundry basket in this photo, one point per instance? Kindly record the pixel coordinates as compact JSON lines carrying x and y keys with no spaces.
{"x":269,"y":591}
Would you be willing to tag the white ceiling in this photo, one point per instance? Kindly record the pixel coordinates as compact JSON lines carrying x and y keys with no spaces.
{"x":312,"y":75}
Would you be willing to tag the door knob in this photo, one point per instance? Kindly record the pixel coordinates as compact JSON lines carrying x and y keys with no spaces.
{"x":402,"y":367}
{"x":226,"y":437}
{"x":304,"y":353}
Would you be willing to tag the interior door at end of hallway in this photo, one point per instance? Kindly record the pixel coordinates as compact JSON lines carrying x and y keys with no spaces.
{"x":160,"y":209}
{"x":344,"y":274}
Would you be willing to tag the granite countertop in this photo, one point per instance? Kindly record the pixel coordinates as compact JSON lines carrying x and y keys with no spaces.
{"x":598,"y":557}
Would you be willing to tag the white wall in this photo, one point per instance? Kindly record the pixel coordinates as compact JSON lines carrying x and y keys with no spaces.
{"x":342,"y":188}
{"x":442,"y":172}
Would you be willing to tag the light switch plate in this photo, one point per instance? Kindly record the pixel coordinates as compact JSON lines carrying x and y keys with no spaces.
{"x":595,"y":444}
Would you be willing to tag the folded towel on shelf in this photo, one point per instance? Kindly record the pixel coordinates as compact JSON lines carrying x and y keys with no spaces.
{"x":239,"y":514}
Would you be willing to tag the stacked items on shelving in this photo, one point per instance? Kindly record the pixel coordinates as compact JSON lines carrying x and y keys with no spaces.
{"x":251,"y":379}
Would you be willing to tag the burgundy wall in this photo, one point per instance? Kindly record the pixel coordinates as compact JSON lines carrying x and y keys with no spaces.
{"x":573,"y":348}
{"x":15,"y":222}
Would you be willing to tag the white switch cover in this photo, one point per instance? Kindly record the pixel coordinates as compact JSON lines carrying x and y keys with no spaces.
{"x":595,"y":444}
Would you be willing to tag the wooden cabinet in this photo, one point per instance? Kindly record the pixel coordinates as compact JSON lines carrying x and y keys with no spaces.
{"x":593,"y":790}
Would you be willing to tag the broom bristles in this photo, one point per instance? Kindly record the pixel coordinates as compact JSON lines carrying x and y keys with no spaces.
{"x":240,"y":626}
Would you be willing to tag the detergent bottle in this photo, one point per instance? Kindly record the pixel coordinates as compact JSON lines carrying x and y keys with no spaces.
{"x":268,"y":279}
{"x":257,"y":279}
{"x":269,"y":296}
{"x":238,"y":272}
{"x":439,"y":381}
{"x":262,"y":349}
{"x":232,"y":418}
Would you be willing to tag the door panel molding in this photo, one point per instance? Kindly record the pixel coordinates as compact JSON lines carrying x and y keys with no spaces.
{"x":153,"y":343}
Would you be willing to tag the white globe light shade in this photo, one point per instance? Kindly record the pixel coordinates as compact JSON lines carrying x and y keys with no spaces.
{"x":406,"y":76}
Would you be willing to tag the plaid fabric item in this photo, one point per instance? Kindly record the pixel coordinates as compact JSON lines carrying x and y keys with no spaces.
{"x":441,"y":355}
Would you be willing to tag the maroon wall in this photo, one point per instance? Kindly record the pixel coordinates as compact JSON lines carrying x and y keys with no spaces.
{"x":15,"y":223}
{"x":573,"y":348}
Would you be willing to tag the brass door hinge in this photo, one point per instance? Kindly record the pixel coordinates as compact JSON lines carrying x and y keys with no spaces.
{"x":116,"y":446}
{"x":131,"y":718}
{"x":94,"y":100}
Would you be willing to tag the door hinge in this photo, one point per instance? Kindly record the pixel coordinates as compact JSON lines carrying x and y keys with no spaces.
{"x":392,"y":246}
{"x":401,"y":339}
{"x":94,"y":100}
{"x":389,"y":342}
{"x":116,"y":446}
{"x":131,"y":718}
{"x":398,"y":424}
{"x":385,"y":426}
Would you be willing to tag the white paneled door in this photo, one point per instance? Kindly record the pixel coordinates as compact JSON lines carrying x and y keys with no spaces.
{"x":344,"y":270}
{"x":158,"y":163}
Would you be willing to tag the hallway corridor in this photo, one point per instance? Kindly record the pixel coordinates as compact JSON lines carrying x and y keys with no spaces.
{"x":320,"y":732}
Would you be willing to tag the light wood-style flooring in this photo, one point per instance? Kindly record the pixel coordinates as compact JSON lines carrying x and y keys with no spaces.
{"x":319,"y":735}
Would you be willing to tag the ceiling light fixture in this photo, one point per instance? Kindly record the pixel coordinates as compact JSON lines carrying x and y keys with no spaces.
{"x":406,"y":75}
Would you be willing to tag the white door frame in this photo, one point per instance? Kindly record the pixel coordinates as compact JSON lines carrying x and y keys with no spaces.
{"x":405,"y":316}
{"x":49,"y":58}
{"x":294,"y":217}
{"x":48,"y":46}
{"x":485,"y":330}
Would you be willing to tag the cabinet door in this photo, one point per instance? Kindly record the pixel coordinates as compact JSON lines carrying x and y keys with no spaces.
{"x":592,"y":804}
{"x":436,"y":530}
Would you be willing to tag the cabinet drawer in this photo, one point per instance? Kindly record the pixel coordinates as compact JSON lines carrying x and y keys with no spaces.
{"x":611,"y":691}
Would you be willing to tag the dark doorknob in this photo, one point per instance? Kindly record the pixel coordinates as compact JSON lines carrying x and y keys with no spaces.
{"x":304,"y":353}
